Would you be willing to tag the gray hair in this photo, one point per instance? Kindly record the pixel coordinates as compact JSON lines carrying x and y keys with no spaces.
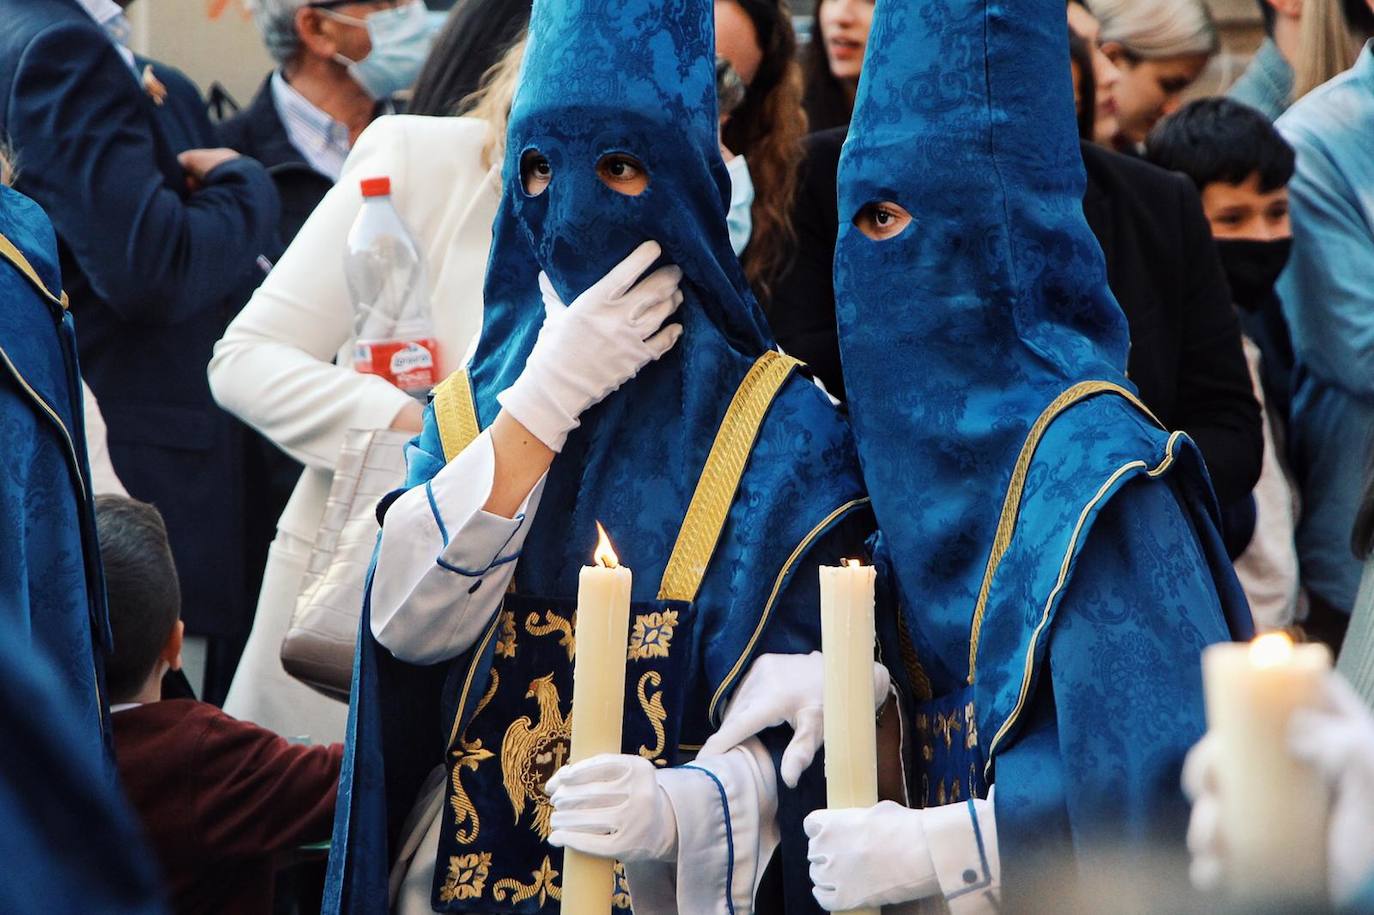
{"x":1158,"y":28}
{"x":276,"y":21}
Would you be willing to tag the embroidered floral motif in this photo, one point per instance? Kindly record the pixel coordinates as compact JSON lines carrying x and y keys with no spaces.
{"x":621,"y":898}
{"x":946,"y":725}
{"x":656,"y":713}
{"x":553,"y":624}
{"x":970,"y":727}
{"x":652,"y":635}
{"x":467,"y":877}
{"x":505,"y":643}
{"x":469,"y":755}
{"x":543,"y":886}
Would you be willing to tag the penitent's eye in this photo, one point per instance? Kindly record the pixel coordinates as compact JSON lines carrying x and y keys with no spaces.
{"x":535,"y":172}
{"x":623,"y":174}
{"x":881,"y":220}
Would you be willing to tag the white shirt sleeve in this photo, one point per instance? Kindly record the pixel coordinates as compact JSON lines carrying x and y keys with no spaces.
{"x":963,"y":844}
{"x":444,"y":564}
{"x":726,"y":809}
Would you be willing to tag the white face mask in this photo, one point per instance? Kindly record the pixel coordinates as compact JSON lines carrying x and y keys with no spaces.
{"x":401,"y":39}
{"x":740,"y":219}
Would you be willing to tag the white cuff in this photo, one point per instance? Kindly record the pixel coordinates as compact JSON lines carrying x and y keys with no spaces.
{"x":726,"y":809}
{"x":437,"y":584}
{"x":963,"y":845}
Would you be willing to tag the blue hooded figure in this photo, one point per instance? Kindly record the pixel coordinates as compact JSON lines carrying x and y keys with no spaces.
{"x":1055,"y":552}
{"x":723,"y":477}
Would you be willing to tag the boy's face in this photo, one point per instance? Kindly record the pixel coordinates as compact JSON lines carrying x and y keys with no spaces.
{"x":1243,"y":211}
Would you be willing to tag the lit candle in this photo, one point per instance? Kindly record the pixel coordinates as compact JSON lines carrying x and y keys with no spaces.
{"x":851,"y":745}
{"x":1273,"y":808}
{"x":601,"y":635}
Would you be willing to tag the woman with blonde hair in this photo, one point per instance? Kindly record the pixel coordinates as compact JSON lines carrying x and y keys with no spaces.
{"x":1160,"y":47}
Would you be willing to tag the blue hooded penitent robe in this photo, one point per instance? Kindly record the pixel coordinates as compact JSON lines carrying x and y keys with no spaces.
{"x":1054,"y":550}
{"x":52,"y":592}
{"x":632,"y":77}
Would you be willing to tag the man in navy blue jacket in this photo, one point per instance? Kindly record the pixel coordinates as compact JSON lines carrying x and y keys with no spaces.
{"x":159,"y":244}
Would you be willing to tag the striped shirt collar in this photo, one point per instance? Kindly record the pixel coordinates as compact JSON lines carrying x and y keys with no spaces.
{"x":320,"y":139}
{"x":110,"y":17}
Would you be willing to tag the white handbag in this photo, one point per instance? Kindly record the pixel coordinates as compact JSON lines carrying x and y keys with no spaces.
{"x":319,"y":643}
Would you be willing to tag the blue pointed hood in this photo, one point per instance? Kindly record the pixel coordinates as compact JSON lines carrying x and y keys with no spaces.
{"x":957,"y":333}
{"x":634,"y":77}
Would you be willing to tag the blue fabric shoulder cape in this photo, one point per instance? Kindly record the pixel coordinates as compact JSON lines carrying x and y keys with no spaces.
{"x":51,"y":582}
{"x":636,"y":80}
{"x":1035,"y":519}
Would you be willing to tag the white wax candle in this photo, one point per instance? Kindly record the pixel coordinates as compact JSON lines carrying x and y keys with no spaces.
{"x":851,"y":745}
{"x":601,"y":637}
{"x":1273,"y":808}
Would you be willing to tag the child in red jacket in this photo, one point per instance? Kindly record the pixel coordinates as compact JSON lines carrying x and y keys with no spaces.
{"x":219,"y":798}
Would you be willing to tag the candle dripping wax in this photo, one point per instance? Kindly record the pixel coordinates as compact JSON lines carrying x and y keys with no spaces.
{"x":605,"y":556}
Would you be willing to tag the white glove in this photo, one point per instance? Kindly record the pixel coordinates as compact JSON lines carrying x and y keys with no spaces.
{"x":1337,"y":740}
{"x":612,"y":806}
{"x":784,"y":689}
{"x":868,"y":857}
{"x":588,"y":349}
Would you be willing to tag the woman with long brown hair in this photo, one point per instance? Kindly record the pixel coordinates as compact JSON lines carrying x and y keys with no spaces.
{"x":756,"y":36}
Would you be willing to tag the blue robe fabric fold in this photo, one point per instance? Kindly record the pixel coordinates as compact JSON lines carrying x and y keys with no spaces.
{"x":632,"y":77}
{"x":52,"y":589}
{"x":1077,"y":640}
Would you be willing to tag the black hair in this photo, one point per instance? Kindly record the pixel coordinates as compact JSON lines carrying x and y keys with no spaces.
{"x":142,"y":588}
{"x":1082,"y":56}
{"x":474,"y":38}
{"x":826,"y":102}
{"x":1267,"y":11}
{"x":1359,"y":17}
{"x":1220,"y":139}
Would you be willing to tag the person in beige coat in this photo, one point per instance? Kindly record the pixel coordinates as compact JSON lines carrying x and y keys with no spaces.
{"x":283,"y":365}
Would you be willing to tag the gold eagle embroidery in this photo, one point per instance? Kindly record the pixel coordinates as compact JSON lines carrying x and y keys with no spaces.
{"x":531,"y":753}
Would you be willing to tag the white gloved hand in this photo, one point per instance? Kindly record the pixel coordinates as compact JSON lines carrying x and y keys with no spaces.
{"x":784,"y":689}
{"x":869,"y":857}
{"x":588,"y":349}
{"x":1337,"y":740}
{"x":612,"y":806}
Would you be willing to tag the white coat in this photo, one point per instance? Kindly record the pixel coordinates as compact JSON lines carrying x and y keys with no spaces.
{"x":276,"y":366}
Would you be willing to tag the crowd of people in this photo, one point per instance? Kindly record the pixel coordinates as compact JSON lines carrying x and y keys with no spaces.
{"x":1080,"y":360}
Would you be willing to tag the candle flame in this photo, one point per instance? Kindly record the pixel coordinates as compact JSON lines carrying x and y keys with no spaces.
{"x":1273,"y":649}
{"x":853,"y":563}
{"x":605,"y":555}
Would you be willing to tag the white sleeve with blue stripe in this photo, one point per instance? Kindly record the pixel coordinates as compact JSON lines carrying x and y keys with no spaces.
{"x":726,"y":810}
{"x":444,"y":563}
{"x":963,"y":845}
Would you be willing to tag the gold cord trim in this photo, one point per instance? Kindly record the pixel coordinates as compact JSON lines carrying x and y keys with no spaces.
{"x":1011,"y":504}
{"x":801,"y":548}
{"x":472,"y":671}
{"x":715,"y":491}
{"x":455,"y":413}
{"x":1059,"y":585}
{"x":10,"y":252}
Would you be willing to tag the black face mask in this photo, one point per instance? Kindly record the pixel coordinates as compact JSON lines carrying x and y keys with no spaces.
{"x":1252,"y":267}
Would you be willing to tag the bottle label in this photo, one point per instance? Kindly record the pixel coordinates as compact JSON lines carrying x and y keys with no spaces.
{"x":411,"y":365}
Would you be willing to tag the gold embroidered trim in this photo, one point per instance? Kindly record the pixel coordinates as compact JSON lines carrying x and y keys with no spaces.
{"x":1011,"y":504}
{"x":1059,"y":585}
{"x":715,"y":491}
{"x":543,"y":886}
{"x":467,"y":876}
{"x":470,"y":754}
{"x":652,"y":635}
{"x":529,"y":745}
{"x":553,"y":624}
{"x":10,"y":252}
{"x":656,"y":713}
{"x":456,"y":413}
{"x":472,"y":672}
{"x":801,"y":548}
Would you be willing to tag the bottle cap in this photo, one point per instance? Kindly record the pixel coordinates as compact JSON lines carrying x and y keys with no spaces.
{"x":376,"y":187}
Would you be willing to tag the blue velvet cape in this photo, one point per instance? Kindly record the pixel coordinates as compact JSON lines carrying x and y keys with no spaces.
{"x":52,"y":591}
{"x":1071,"y":642}
{"x":634,"y":77}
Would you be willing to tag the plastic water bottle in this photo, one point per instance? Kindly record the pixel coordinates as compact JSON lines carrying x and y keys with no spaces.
{"x":386,"y":280}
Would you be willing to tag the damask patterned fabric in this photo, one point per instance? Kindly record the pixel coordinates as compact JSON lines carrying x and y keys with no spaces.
{"x":52,"y":593}
{"x":635,"y":77}
{"x":957,"y":335}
